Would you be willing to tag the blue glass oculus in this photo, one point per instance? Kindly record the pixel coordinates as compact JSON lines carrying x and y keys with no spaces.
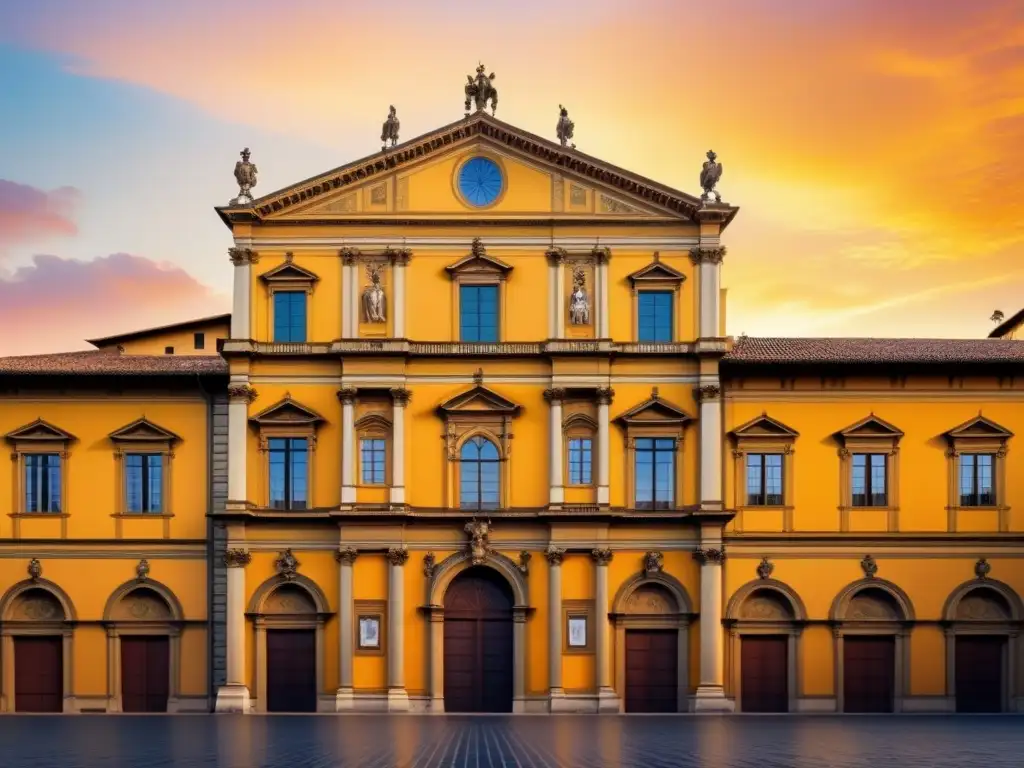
{"x":480,"y":181}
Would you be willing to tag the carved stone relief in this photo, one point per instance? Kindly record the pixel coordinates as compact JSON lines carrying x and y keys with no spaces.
{"x":37,"y":605}
{"x":872,"y":605}
{"x":289,"y":599}
{"x":982,"y":605}
{"x":650,"y":599}
{"x":142,"y":605}
{"x":654,"y":562}
{"x":611,"y":205}
{"x":765,"y":605}
{"x":577,"y":195}
{"x":379,"y":194}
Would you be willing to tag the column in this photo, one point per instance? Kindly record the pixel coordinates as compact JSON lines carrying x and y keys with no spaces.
{"x":345,"y":698}
{"x":240,"y":395}
{"x":398,"y":698}
{"x":437,"y":660}
{"x":607,"y":701}
{"x":604,"y":399}
{"x":555,"y":691}
{"x":400,"y":399}
{"x":243,"y":259}
{"x":556,"y":494}
{"x":709,"y":394}
{"x":603,"y":317}
{"x":348,"y":443}
{"x":234,"y":695}
{"x":400,"y":259}
{"x":710,"y":695}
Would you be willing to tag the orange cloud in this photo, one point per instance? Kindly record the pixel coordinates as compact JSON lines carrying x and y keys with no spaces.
{"x":28,"y":214}
{"x":101,"y":297}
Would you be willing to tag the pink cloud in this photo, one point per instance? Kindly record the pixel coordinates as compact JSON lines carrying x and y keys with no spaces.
{"x":54,"y":304}
{"x":28,"y":214}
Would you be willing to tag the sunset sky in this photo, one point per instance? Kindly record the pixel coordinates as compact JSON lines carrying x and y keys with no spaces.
{"x":875,"y":147}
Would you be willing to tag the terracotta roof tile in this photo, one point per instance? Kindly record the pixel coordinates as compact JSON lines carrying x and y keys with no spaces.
{"x":111,"y":363}
{"x":789,"y":351}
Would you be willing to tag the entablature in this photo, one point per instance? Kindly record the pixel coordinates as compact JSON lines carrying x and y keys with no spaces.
{"x":402,"y":347}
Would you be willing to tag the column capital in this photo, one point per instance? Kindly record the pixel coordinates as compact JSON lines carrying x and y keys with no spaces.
{"x":237,"y":558}
{"x":397,"y":555}
{"x":555,"y":555}
{"x":243,"y":256}
{"x":709,"y":556}
{"x":237,"y":392}
{"x":398,"y":256}
{"x":346,"y":555}
{"x":605,"y":395}
{"x":349,"y":255}
{"x":554,"y":395}
{"x":601,"y":254}
{"x":347,"y":395}
{"x":708,"y":392}
{"x":401,"y":396}
{"x":602,"y":557}
{"x":708,"y":255}
{"x":555,"y":255}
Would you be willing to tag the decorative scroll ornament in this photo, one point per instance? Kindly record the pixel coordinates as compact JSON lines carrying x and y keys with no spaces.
{"x":479,"y":545}
{"x":524,"y":561}
{"x":287,"y":566}
{"x":579,"y":302}
{"x":374,"y":301}
{"x":245,"y":175}
{"x":429,"y":564}
{"x":710,"y":173}
{"x":712,"y":556}
{"x":765,"y":568}
{"x":35,"y":569}
{"x":565,"y":126}
{"x":237,"y":558}
{"x":602,"y":556}
{"x":869,"y":566}
{"x":397,"y":555}
{"x":389,"y":133}
{"x":346,"y":555}
{"x":554,"y":554}
{"x":480,"y":90}
{"x":142,"y":570}
{"x":982,"y":568}
{"x":654,"y":562}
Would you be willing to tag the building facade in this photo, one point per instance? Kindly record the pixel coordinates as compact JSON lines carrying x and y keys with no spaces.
{"x":473,"y":438}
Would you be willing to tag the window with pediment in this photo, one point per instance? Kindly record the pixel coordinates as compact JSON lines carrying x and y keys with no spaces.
{"x":289,"y":287}
{"x":478,"y":296}
{"x":654,"y":449}
{"x":763,"y":465}
{"x":40,"y":456}
{"x":287,"y":434}
{"x":976,"y":467}
{"x":478,"y":441}
{"x":869,"y":469}
{"x":144,"y":451}
{"x":656,"y":291}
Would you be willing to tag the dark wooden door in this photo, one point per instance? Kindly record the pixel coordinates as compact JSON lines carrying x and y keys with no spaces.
{"x":652,"y":658}
{"x":145,"y":673}
{"x":764,"y":673}
{"x":38,"y":674}
{"x":478,"y":643}
{"x":291,"y":670}
{"x":869,"y":673}
{"x":979,"y":673}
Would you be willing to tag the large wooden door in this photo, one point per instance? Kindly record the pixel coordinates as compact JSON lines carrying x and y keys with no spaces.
{"x":764,"y":673}
{"x":979,"y":673}
{"x":291,"y":670}
{"x":652,"y":659}
{"x":38,"y":674}
{"x":478,"y":647}
{"x":145,"y":673}
{"x":869,"y":673}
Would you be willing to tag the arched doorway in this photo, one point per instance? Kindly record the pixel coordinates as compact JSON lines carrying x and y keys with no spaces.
{"x":478,"y":642}
{"x":873,"y":621}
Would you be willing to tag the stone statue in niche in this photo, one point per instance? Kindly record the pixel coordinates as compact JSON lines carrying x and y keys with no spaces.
{"x":579,"y":302}
{"x":374,"y":302}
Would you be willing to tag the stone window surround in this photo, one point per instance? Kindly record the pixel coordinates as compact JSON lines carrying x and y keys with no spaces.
{"x":657,"y":276}
{"x":374,"y":426}
{"x":153,"y":443}
{"x":961,"y":441}
{"x":853,"y":440}
{"x":23,"y":443}
{"x":287,"y":276}
{"x":376,"y":609}
{"x":673,"y":428}
{"x":580,"y":425}
{"x":578,"y":609}
{"x":478,"y":268}
{"x":267,"y":428}
{"x":764,"y":443}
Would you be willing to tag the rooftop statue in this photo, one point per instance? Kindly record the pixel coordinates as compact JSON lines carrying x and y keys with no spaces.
{"x":709,"y":176}
{"x":481,"y":90}
{"x":245,"y":175}
{"x":390,"y":130}
{"x":565,"y":126}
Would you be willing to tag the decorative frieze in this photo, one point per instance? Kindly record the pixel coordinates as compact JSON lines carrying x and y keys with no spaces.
{"x":242,"y":256}
{"x":765,"y":568}
{"x":287,"y":566}
{"x":239,"y":392}
{"x":237,"y":558}
{"x":555,"y":555}
{"x":709,"y":556}
{"x":397,"y":555}
{"x":602,"y":556}
{"x":654,"y":562}
{"x":346,"y":555}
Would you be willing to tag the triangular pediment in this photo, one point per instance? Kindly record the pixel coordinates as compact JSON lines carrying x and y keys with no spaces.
{"x":479,"y":399}
{"x":385,"y":183}
{"x":478,"y":262}
{"x":870,"y":426}
{"x":287,"y":411}
{"x":289,"y":272}
{"x":656,"y":271}
{"x":39,"y":431}
{"x":143,"y":431}
{"x":764,"y":426}
{"x":654,"y":410}
{"x":979,"y":426}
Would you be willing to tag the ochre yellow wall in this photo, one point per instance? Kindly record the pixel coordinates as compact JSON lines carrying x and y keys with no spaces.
{"x":183,"y":340}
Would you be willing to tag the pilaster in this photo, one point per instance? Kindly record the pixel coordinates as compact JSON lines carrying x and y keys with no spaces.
{"x":400,"y":399}
{"x":398,"y":259}
{"x":243,"y":258}
{"x":709,"y":395}
{"x":348,"y":446}
{"x":398,"y":697}
{"x":710,"y":695}
{"x":345,"y":696}
{"x":604,"y":400}
{"x":240,"y":396}
{"x":234,"y":695}
{"x":555,"y":691}
{"x":603,"y":308}
{"x":607,"y":700}
{"x":556,"y":492}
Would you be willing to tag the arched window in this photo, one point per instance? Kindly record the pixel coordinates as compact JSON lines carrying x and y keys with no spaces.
{"x":479,"y":483}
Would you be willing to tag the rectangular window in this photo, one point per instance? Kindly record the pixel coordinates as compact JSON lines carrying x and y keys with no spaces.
{"x":654,"y":315}
{"x":478,"y":313}
{"x":199,"y":340}
{"x":977,"y":480}
{"x":580,"y":460}
{"x":655,"y":473}
{"x":42,"y":482}
{"x":143,"y":476}
{"x":372,"y":457}
{"x":764,"y":479}
{"x":289,"y":464}
{"x":290,"y":316}
{"x":868,"y":480}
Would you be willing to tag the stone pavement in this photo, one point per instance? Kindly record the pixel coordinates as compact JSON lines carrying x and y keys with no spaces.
{"x":372,"y":741}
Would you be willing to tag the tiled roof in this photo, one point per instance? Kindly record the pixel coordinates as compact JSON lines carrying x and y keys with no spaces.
{"x":788,"y":351}
{"x":111,"y":363}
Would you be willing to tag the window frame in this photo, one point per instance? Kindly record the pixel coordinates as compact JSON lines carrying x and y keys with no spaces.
{"x":870,"y":435}
{"x":273,"y":316}
{"x":869,"y":473}
{"x":373,"y":426}
{"x":655,"y":450}
{"x":497,"y":312}
{"x":479,"y":269}
{"x":144,"y":437}
{"x":288,"y":277}
{"x":289,"y":450}
{"x":654,"y":292}
{"x":657,"y":418}
{"x":163,"y":463}
{"x":480,"y":462}
{"x":661,"y":277}
{"x":579,"y":426}
{"x":975,"y":494}
{"x":287,"y":418}
{"x":766,"y":436}
{"x":977,"y":436}
{"x":763,"y":494}
{"x":37,"y":437}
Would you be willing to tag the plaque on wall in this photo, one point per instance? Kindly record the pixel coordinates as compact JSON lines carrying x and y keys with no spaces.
{"x":369,"y":632}
{"x":577,"y":631}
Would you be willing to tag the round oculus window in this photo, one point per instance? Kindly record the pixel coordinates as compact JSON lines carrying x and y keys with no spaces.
{"x":480,"y":181}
